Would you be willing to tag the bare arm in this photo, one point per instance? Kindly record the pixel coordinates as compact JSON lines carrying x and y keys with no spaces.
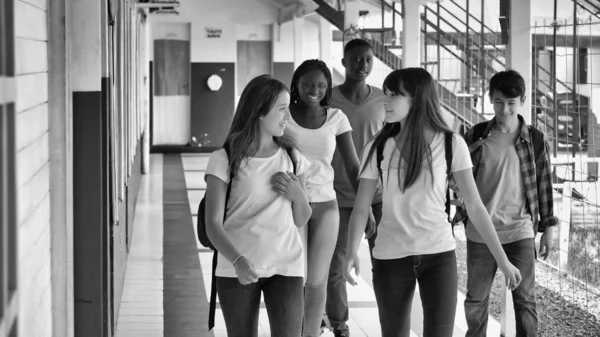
{"x":358,"y":222}
{"x":301,"y":207}
{"x":345,"y":145}
{"x":483,"y":223}
{"x":216,"y":189}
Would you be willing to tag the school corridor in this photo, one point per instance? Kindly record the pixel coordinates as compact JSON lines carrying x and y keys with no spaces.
{"x":168,"y":278}
{"x":109,"y":109}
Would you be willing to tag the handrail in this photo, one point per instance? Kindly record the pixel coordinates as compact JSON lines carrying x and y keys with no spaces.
{"x":460,"y":20}
{"x":591,"y":4}
{"x":493,"y":57}
{"x":457,"y":43}
{"x":471,"y":15}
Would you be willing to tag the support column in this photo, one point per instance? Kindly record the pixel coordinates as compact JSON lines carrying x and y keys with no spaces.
{"x":351,"y":13}
{"x":411,"y":34}
{"x":145,"y":78}
{"x":61,"y":169}
{"x":298,"y":41}
{"x":325,"y":36}
{"x":518,"y":56}
{"x":89,"y":169}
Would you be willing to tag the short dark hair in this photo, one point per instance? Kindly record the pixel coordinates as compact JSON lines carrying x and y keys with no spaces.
{"x":355,"y":43}
{"x":509,"y":82}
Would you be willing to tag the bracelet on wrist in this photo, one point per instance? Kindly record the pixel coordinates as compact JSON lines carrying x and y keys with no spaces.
{"x":236,"y":260}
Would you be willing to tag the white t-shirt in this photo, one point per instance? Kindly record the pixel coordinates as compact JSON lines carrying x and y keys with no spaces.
{"x":318,"y":145}
{"x":259,"y":221}
{"x":415,"y":222}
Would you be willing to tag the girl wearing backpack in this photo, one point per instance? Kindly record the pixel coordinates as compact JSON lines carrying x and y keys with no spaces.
{"x":318,"y":129}
{"x":415,"y":241}
{"x":260,"y":249}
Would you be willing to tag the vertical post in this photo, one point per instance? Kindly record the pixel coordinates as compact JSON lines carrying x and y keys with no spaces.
{"x":425,"y":28}
{"x":553,"y":81}
{"x":482,"y":60}
{"x":411,"y":34}
{"x":382,"y":21}
{"x":520,"y":44}
{"x":298,"y":41}
{"x":145,"y":115}
{"x":439,"y":58}
{"x":575,"y":97}
{"x":89,"y":217}
{"x":351,"y":13}
{"x":564,"y":223}
{"x":325,"y":36}
{"x":468,"y":45}
{"x":61,"y":169}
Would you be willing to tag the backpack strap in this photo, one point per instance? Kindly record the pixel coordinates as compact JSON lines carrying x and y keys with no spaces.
{"x":478,"y":130}
{"x":448,"y":153}
{"x":212,"y":308}
{"x":379,"y":149}
{"x":290,"y":152}
{"x":537,"y":138}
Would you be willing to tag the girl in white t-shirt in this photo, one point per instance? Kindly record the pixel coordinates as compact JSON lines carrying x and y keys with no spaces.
{"x":317,"y":130}
{"x":260,"y":249}
{"x":415,"y":241}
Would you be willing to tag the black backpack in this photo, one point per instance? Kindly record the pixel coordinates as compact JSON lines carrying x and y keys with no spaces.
{"x":205,"y":241}
{"x":537,"y":137}
{"x":448,"y":152}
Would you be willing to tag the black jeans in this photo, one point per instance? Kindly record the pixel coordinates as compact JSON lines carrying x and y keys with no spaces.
{"x":284,"y":300}
{"x":394,"y":283}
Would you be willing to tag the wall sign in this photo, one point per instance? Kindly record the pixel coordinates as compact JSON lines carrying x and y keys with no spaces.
{"x":213,"y":33}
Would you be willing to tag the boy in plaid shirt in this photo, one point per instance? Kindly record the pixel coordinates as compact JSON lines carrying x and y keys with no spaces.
{"x":515,"y":184}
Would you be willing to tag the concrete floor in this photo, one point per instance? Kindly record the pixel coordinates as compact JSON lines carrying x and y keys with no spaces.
{"x":167,"y":282}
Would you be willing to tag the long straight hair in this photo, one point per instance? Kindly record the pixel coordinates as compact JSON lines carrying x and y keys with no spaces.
{"x":243,"y":139}
{"x":424,"y":112}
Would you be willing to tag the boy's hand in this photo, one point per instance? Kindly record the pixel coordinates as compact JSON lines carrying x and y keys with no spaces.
{"x":547,"y":242}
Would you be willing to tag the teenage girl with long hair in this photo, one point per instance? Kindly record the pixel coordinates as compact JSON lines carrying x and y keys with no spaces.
{"x":415,"y":242}
{"x":260,"y":249}
{"x":317,"y":130}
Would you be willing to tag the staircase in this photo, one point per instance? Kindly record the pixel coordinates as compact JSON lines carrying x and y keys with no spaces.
{"x":448,"y":99}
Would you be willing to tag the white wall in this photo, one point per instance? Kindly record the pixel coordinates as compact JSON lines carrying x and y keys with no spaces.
{"x":283,"y":42}
{"x":33,"y":179}
{"x":223,"y":14}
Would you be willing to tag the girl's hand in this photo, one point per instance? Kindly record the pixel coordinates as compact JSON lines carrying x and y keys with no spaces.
{"x":352,"y":261}
{"x":244,"y":269}
{"x":288,"y":185}
{"x":512,"y":274}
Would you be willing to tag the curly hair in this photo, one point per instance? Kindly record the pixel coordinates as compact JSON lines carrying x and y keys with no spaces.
{"x":306,"y":67}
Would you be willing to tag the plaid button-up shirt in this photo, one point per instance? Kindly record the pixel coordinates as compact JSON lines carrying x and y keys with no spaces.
{"x":536,"y":174}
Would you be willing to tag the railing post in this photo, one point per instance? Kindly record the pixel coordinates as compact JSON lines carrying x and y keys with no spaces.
{"x":439,"y":71}
{"x":519,"y":46}
{"x":564,"y":217}
{"x":411,"y":34}
{"x":507,"y":311}
{"x":469,"y":67}
{"x":481,"y":63}
{"x":298,"y":41}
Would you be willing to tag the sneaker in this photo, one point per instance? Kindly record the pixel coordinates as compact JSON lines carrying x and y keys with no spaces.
{"x":341,"y":333}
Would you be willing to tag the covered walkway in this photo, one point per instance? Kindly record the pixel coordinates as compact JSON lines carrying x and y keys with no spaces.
{"x":167,"y":282}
